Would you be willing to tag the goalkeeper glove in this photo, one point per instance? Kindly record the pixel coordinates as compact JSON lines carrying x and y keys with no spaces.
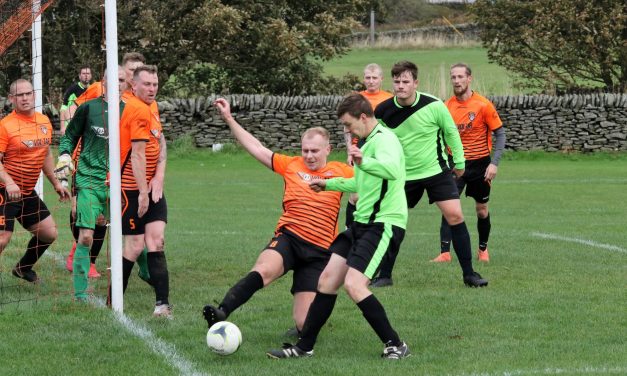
{"x":64,"y":168}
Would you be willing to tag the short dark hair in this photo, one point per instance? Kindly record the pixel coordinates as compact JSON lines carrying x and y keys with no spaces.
{"x":462,"y":65}
{"x":133,"y":56}
{"x":354,"y":104}
{"x":84,"y":66}
{"x":152,"y":69}
{"x":405,"y":66}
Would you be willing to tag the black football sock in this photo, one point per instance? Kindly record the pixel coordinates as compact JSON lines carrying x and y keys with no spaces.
{"x":243,"y":290}
{"x":127,"y":268}
{"x":375,"y":314}
{"x":350,"y":214}
{"x":483,"y":226}
{"x":461,"y":245}
{"x":318,"y":314}
{"x":389,"y":259}
{"x":34,"y":250}
{"x":73,"y":226}
{"x":445,"y":236}
{"x":158,"y":269}
{"x":96,"y":246}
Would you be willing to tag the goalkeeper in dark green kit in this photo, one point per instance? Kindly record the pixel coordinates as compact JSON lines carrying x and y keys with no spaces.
{"x":89,"y":127}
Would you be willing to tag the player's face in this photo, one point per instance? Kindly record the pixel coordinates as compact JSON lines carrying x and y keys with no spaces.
{"x":145,"y":86}
{"x":315,"y":149}
{"x":85,"y":76}
{"x":404,"y":86}
{"x":460,"y":81}
{"x":372,"y":80}
{"x":129,"y":69}
{"x":122,"y":84}
{"x":23,"y":98}
{"x":356,"y":126}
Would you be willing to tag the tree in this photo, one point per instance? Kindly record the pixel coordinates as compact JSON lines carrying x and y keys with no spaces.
{"x":562,"y":45}
{"x":240,"y":46}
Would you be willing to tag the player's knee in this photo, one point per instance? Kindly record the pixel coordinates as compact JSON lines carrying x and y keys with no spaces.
{"x":482,"y":210}
{"x":268,"y":271}
{"x":49,"y":235}
{"x":454,"y":217}
{"x":85,"y":239}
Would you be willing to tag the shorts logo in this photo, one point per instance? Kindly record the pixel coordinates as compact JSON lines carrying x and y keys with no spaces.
{"x":273,"y":244}
{"x":2,"y":220}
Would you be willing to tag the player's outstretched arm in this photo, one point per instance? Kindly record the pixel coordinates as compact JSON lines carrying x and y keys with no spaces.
{"x":248,"y":141}
{"x":48,"y":169}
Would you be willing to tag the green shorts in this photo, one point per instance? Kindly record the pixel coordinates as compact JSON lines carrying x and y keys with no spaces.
{"x":90,"y":204}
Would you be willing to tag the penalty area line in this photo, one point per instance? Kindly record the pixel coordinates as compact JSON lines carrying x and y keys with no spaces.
{"x":156,"y":344}
{"x":591,"y":243}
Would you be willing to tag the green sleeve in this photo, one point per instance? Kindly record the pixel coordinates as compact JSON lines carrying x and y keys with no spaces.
{"x":451,"y":135}
{"x":341,"y":185}
{"x":386,"y":165}
{"x":74,"y":131}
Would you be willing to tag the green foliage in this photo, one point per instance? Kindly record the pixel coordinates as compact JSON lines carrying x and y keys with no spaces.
{"x":230,"y":46}
{"x":562,"y":45}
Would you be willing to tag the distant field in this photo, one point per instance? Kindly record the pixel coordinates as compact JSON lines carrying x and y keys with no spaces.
{"x":556,"y":301}
{"x":433,"y":65}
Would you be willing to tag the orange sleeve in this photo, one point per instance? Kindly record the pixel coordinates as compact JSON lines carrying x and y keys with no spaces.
{"x":140,"y":124}
{"x":280,"y":162}
{"x":491,"y":117}
{"x":4,"y":138}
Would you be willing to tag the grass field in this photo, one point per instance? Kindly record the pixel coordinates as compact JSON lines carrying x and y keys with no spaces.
{"x":433,"y":65}
{"x":556,"y":302}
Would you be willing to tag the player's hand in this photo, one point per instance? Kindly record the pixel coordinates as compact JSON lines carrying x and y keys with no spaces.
{"x":64,"y":167}
{"x":458,"y":172}
{"x":13,"y":192}
{"x":142,"y":204}
{"x":490,"y":172}
{"x":349,"y":160}
{"x":355,"y":153}
{"x":156,"y":189}
{"x":63,"y":192}
{"x":223,"y":107}
{"x":317,"y":185}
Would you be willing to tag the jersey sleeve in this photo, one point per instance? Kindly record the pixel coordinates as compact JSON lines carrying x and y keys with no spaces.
{"x":341,"y":185}
{"x":140,"y":124}
{"x":74,"y":130}
{"x":451,"y":134}
{"x":280,"y":162}
{"x":4,"y":138}
{"x":492,"y":117}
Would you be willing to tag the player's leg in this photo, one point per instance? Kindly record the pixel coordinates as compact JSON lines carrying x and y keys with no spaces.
{"x":373,"y":242}
{"x":312,"y":261}
{"x":100,"y":232}
{"x":302,"y":302}
{"x":8,"y":212}
{"x":480,"y":191}
{"x":70,"y":258}
{"x":37,"y":220}
{"x":158,"y":267}
{"x":321,"y":307}
{"x":90,"y":205}
{"x":271,"y":264}
{"x":351,"y":206}
{"x":452,"y":212}
{"x":445,"y":231}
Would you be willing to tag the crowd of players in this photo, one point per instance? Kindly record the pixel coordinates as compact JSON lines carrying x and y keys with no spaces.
{"x":399,"y":145}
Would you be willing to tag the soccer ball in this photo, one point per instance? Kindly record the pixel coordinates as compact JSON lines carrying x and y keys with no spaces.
{"x":224,"y":338}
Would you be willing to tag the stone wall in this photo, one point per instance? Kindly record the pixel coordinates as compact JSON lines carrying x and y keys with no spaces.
{"x":448,"y":34}
{"x":586,"y":123}
{"x":566,"y":123}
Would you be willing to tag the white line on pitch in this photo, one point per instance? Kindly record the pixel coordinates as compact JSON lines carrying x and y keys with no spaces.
{"x":554,"y":371}
{"x":591,"y":243}
{"x":157,"y":345}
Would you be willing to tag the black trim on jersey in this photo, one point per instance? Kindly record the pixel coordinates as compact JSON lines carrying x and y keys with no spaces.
{"x":393,"y":116}
{"x":441,"y":145}
{"x":377,"y":205}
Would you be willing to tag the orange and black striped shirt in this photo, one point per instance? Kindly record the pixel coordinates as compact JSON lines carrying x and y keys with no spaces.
{"x":310,"y":215}
{"x":476,"y":119}
{"x":137,"y":124}
{"x":24,"y":141}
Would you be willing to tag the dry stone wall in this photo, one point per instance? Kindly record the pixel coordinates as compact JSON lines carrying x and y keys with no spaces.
{"x":586,"y":123}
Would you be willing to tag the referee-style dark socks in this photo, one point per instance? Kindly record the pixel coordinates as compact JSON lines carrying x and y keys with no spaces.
{"x":445,"y":236}
{"x":243,"y":290}
{"x":73,"y":226}
{"x":127,"y":268}
{"x":318,"y":314}
{"x":99,"y":234}
{"x":461,"y":245}
{"x":483,"y":227}
{"x":158,"y":269}
{"x":375,"y":314}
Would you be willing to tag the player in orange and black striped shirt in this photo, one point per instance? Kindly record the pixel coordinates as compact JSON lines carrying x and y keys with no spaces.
{"x":306,"y":228}
{"x":25,"y":137}
{"x":477,"y":120}
{"x":144,"y":211}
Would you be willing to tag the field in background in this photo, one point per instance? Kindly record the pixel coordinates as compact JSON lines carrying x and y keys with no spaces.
{"x":433,"y":65}
{"x":556,"y":301}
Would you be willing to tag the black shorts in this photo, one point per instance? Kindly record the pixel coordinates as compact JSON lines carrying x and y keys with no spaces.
{"x":364,"y":245}
{"x":474,"y":180}
{"x":29,"y":211}
{"x":305,"y":259}
{"x":440,"y":187}
{"x":134,"y":225}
